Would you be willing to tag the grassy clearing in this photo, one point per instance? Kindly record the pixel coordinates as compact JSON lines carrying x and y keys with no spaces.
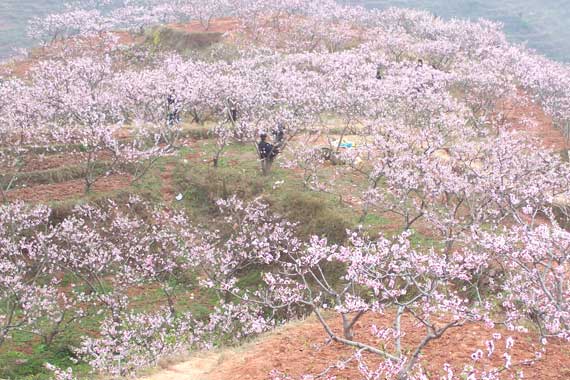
{"x":168,"y":38}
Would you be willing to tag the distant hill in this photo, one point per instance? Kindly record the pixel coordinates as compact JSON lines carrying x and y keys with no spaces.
{"x":541,"y":23}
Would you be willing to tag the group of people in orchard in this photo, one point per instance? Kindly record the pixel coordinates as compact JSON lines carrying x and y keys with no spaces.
{"x":267,"y":151}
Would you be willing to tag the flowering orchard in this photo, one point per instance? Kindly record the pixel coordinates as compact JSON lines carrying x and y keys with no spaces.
{"x":433,"y":150}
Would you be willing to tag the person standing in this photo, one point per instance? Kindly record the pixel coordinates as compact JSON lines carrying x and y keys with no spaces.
{"x":380,"y":69}
{"x":267,"y":153}
{"x":173,"y":109}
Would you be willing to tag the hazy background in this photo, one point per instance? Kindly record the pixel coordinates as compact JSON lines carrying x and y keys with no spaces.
{"x":543,"y":24}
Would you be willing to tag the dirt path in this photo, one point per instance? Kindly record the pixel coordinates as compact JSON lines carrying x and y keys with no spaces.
{"x":167,"y":189}
{"x":198,"y":367}
{"x":301,"y":348}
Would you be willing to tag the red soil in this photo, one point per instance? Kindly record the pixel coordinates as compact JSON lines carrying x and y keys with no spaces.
{"x":167,"y":185}
{"x":220,"y":25}
{"x":39,"y":162}
{"x":303,"y":349}
{"x":68,"y":190}
{"x":519,"y":114}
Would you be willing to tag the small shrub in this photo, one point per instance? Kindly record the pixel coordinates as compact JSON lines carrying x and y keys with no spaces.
{"x":205,"y":185}
{"x":316,"y":216}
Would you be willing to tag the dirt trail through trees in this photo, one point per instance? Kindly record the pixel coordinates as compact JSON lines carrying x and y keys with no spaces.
{"x":302,"y":348}
{"x":198,"y":367}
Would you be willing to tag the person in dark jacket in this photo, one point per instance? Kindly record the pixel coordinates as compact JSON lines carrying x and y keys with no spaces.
{"x":233,"y":114}
{"x":266,"y":150}
{"x":380,"y":70}
{"x":279,"y":135}
{"x":173,"y":109}
{"x":379,"y":73}
{"x":232,"y":111}
{"x":267,"y":153}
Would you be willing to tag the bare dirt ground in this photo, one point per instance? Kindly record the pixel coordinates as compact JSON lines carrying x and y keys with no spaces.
{"x":529,"y":117}
{"x":302,"y":348}
{"x":220,"y":25}
{"x":67,"y":190}
{"x":39,"y":162}
{"x":198,"y":367}
{"x":167,"y":189}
